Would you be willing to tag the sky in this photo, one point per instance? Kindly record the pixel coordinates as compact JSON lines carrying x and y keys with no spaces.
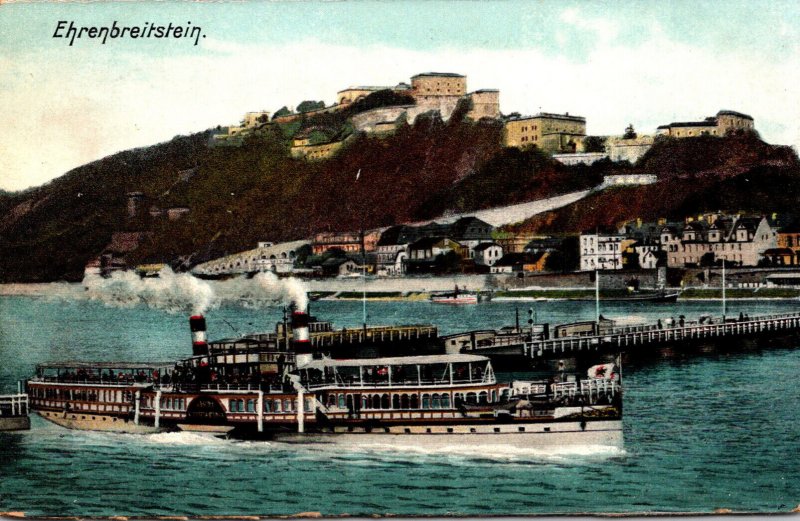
{"x":641,"y":62}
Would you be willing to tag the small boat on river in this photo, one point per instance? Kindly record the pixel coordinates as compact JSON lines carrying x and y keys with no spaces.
{"x":657,"y":297}
{"x":455,"y":297}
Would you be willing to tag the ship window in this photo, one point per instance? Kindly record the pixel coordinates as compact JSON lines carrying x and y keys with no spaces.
{"x":277,"y":406}
{"x":365,"y":402}
{"x":267,"y":405}
{"x":376,"y":401}
{"x":472,"y":398}
{"x":342,"y":401}
{"x":521,"y":429}
{"x":287,"y":405}
{"x":428,"y":430}
{"x":386,"y":402}
{"x":396,"y":401}
{"x":426,"y":401}
{"x":450,"y":430}
{"x":404,"y":404}
{"x":407,"y":431}
{"x":251,"y":405}
{"x":309,"y":405}
{"x":414,"y":401}
{"x":445,"y":401}
{"x":472,"y":429}
{"x":436,"y":402}
{"x":458,"y":399}
{"x":494,"y":395}
{"x":497,"y":429}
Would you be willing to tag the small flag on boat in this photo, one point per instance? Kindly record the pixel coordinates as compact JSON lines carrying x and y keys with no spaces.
{"x":602,"y":371}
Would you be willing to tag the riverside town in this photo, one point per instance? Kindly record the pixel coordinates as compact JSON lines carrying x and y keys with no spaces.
{"x":406,"y":276}
{"x":539,"y":239}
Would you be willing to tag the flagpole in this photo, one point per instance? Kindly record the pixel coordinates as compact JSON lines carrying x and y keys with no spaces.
{"x":363,"y":268}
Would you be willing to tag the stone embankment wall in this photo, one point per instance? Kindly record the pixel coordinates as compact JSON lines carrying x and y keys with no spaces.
{"x":366,"y":121}
{"x":497,"y":281}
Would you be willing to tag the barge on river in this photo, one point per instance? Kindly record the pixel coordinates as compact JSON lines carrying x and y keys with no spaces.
{"x":292,"y":394}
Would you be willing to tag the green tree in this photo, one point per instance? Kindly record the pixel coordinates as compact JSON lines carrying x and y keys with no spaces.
{"x":308,"y":106}
{"x":283,"y":111}
{"x":594,"y":144}
{"x":630,"y":133}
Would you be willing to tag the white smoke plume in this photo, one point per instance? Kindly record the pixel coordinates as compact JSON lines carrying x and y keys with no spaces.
{"x":182,"y":292}
{"x":263,"y":289}
{"x":170,"y":291}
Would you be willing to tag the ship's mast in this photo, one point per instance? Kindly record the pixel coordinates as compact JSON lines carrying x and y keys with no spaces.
{"x":597,"y":297}
{"x":364,"y":281}
{"x":724,"y":303}
{"x":363,"y":267}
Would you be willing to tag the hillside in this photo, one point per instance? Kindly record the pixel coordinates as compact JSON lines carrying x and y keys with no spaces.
{"x":237,"y":196}
{"x":695,"y":175}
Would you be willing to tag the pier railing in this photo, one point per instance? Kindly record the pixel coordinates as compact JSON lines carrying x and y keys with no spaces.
{"x":640,"y":338}
{"x":14,"y":405}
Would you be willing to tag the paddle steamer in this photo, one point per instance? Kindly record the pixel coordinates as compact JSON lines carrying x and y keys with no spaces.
{"x":293,"y":392}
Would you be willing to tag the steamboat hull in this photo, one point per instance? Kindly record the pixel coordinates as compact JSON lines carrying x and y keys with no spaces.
{"x":97,"y":422}
{"x":536,"y":435}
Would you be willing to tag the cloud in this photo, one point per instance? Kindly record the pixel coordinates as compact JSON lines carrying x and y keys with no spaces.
{"x":71,"y":106}
{"x":605,"y":30}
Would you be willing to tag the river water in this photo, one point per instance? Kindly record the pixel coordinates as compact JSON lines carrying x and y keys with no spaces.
{"x":712,"y":431}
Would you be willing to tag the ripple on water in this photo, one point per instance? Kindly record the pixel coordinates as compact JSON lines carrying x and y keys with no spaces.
{"x":713,"y":431}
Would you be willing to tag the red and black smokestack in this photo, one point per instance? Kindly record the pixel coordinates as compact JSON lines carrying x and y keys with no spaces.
{"x":301,"y":340}
{"x":197,"y":323}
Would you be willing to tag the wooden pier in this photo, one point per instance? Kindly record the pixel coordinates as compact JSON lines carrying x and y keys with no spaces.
{"x":643,"y":339}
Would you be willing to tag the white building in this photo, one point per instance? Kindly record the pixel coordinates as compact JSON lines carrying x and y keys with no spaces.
{"x":277,"y":258}
{"x":580,"y":158}
{"x":601,"y":251}
{"x":488,"y":253}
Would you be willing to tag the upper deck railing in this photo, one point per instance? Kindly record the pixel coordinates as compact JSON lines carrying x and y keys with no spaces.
{"x":372,"y":334}
{"x":486,"y":379}
{"x":590,"y":388}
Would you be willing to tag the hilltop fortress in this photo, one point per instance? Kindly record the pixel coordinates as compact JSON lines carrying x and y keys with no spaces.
{"x":562,"y":135}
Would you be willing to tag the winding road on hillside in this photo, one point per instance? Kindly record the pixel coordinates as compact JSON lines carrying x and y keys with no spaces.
{"x":515,"y":213}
